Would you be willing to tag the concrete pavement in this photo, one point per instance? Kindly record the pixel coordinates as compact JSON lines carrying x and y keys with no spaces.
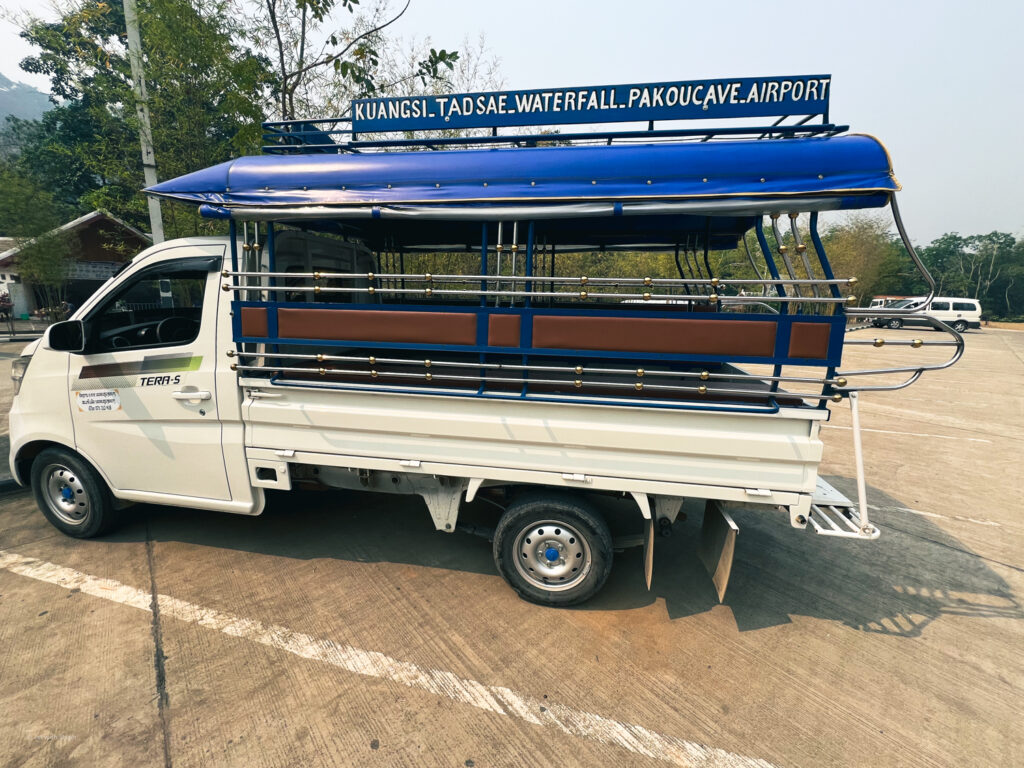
{"x":340,"y":629}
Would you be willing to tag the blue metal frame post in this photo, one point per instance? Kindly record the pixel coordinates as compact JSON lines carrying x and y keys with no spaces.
{"x":826,"y":269}
{"x":784,"y":307}
{"x":483,"y":300}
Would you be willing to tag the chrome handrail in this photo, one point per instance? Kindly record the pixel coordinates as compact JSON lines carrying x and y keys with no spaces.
{"x":938,"y":325}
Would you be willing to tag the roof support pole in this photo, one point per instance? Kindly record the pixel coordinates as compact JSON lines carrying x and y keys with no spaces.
{"x":131,"y":17}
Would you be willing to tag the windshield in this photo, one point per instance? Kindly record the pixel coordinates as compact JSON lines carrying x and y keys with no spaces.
{"x":903,"y":303}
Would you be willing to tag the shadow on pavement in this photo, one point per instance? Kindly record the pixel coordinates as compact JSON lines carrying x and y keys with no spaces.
{"x":897,"y":585}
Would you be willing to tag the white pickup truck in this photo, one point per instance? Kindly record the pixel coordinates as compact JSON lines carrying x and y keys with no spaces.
{"x":352,"y":343}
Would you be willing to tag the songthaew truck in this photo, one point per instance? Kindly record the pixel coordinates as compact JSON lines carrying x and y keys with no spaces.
{"x":647,"y":314}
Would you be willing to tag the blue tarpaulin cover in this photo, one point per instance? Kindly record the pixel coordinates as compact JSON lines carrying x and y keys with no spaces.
{"x":853,"y":170}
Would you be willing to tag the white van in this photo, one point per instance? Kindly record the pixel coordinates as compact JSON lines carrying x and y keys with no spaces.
{"x":959,"y":314}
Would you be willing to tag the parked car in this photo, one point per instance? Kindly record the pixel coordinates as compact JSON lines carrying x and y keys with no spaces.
{"x":959,"y":314}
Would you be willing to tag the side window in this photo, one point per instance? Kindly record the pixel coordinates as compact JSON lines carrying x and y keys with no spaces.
{"x":161,"y":307}
{"x":940,"y":306}
{"x":964,"y":306}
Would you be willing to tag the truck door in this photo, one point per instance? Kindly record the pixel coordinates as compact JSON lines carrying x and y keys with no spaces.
{"x":144,"y":395}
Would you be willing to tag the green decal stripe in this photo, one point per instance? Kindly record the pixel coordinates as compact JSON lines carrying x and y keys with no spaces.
{"x":125,"y":375}
{"x":153,"y":364}
{"x":170,"y":364}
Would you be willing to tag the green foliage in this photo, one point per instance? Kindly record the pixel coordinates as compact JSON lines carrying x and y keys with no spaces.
{"x":205,"y":97}
{"x":46,"y":262}
{"x":987,"y":267}
{"x":352,"y":57}
{"x":30,"y":214}
{"x":27,"y":209}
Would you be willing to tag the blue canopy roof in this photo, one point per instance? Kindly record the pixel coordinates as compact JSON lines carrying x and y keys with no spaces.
{"x":849,"y":171}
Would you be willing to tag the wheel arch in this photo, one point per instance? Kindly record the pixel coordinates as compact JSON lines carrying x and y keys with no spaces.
{"x":27,"y":453}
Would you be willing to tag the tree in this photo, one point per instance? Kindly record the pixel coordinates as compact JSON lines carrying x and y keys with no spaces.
{"x":30,"y":214}
{"x":976,"y":266}
{"x":206,"y":96}
{"x":307,"y":45}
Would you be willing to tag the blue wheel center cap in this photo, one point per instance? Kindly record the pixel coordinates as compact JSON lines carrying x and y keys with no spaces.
{"x":66,"y":493}
{"x":551,"y":554}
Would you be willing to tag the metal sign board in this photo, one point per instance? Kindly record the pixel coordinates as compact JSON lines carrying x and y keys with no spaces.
{"x":673,"y":100}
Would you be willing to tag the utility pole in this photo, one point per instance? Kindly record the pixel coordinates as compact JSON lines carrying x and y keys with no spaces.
{"x":131,"y":18}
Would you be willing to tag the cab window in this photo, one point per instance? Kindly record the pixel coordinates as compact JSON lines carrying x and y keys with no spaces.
{"x":161,"y":307}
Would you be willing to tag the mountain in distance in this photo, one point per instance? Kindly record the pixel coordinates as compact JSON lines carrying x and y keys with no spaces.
{"x":21,"y":100}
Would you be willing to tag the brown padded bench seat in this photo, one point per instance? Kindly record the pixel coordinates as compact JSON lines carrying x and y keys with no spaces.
{"x":378,"y":325}
{"x":658,"y":335}
{"x":688,"y":336}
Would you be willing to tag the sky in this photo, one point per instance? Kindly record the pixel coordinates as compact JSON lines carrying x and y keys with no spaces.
{"x":939,"y":83}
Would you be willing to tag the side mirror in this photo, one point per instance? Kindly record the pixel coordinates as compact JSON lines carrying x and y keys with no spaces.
{"x":67,"y":336}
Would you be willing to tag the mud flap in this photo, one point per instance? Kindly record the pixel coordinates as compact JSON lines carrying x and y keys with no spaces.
{"x":648,"y":551}
{"x":717,"y":545}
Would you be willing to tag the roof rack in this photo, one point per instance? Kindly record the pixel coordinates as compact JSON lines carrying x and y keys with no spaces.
{"x":799,"y":105}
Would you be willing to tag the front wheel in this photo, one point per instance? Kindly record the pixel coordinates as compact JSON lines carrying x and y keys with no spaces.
{"x":553,"y":549}
{"x":71,"y":495}
{"x":895,"y":323}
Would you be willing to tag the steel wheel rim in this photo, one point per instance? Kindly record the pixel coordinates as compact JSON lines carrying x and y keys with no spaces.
{"x":552,"y":555}
{"x":65,"y":494}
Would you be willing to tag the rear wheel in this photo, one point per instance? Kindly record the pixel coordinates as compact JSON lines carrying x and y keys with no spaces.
{"x":71,"y":494}
{"x":960,"y":326}
{"x":553,"y":549}
{"x":895,"y":323}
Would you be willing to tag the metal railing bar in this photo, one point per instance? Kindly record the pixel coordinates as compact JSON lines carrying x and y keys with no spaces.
{"x":430,"y":292}
{"x":575,"y":383}
{"x":578,"y":369}
{"x":581,"y":280}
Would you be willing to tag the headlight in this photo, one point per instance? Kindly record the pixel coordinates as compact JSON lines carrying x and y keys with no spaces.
{"x":18,"y":367}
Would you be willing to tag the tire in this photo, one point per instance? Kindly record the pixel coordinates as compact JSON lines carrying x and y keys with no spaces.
{"x":959,"y":326}
{"x":71,"y":494}
{"x":539,"y":541}
{"x":895,"y":323}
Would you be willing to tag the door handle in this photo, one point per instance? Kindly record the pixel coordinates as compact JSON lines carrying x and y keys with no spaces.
{"x":197,"y":395}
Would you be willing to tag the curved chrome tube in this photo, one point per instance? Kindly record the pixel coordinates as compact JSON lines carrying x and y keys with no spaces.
{"x":938,"y":325}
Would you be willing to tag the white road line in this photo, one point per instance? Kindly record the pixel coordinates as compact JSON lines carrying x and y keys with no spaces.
{"x":911,"y":434}
{"x":492,"y":698}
